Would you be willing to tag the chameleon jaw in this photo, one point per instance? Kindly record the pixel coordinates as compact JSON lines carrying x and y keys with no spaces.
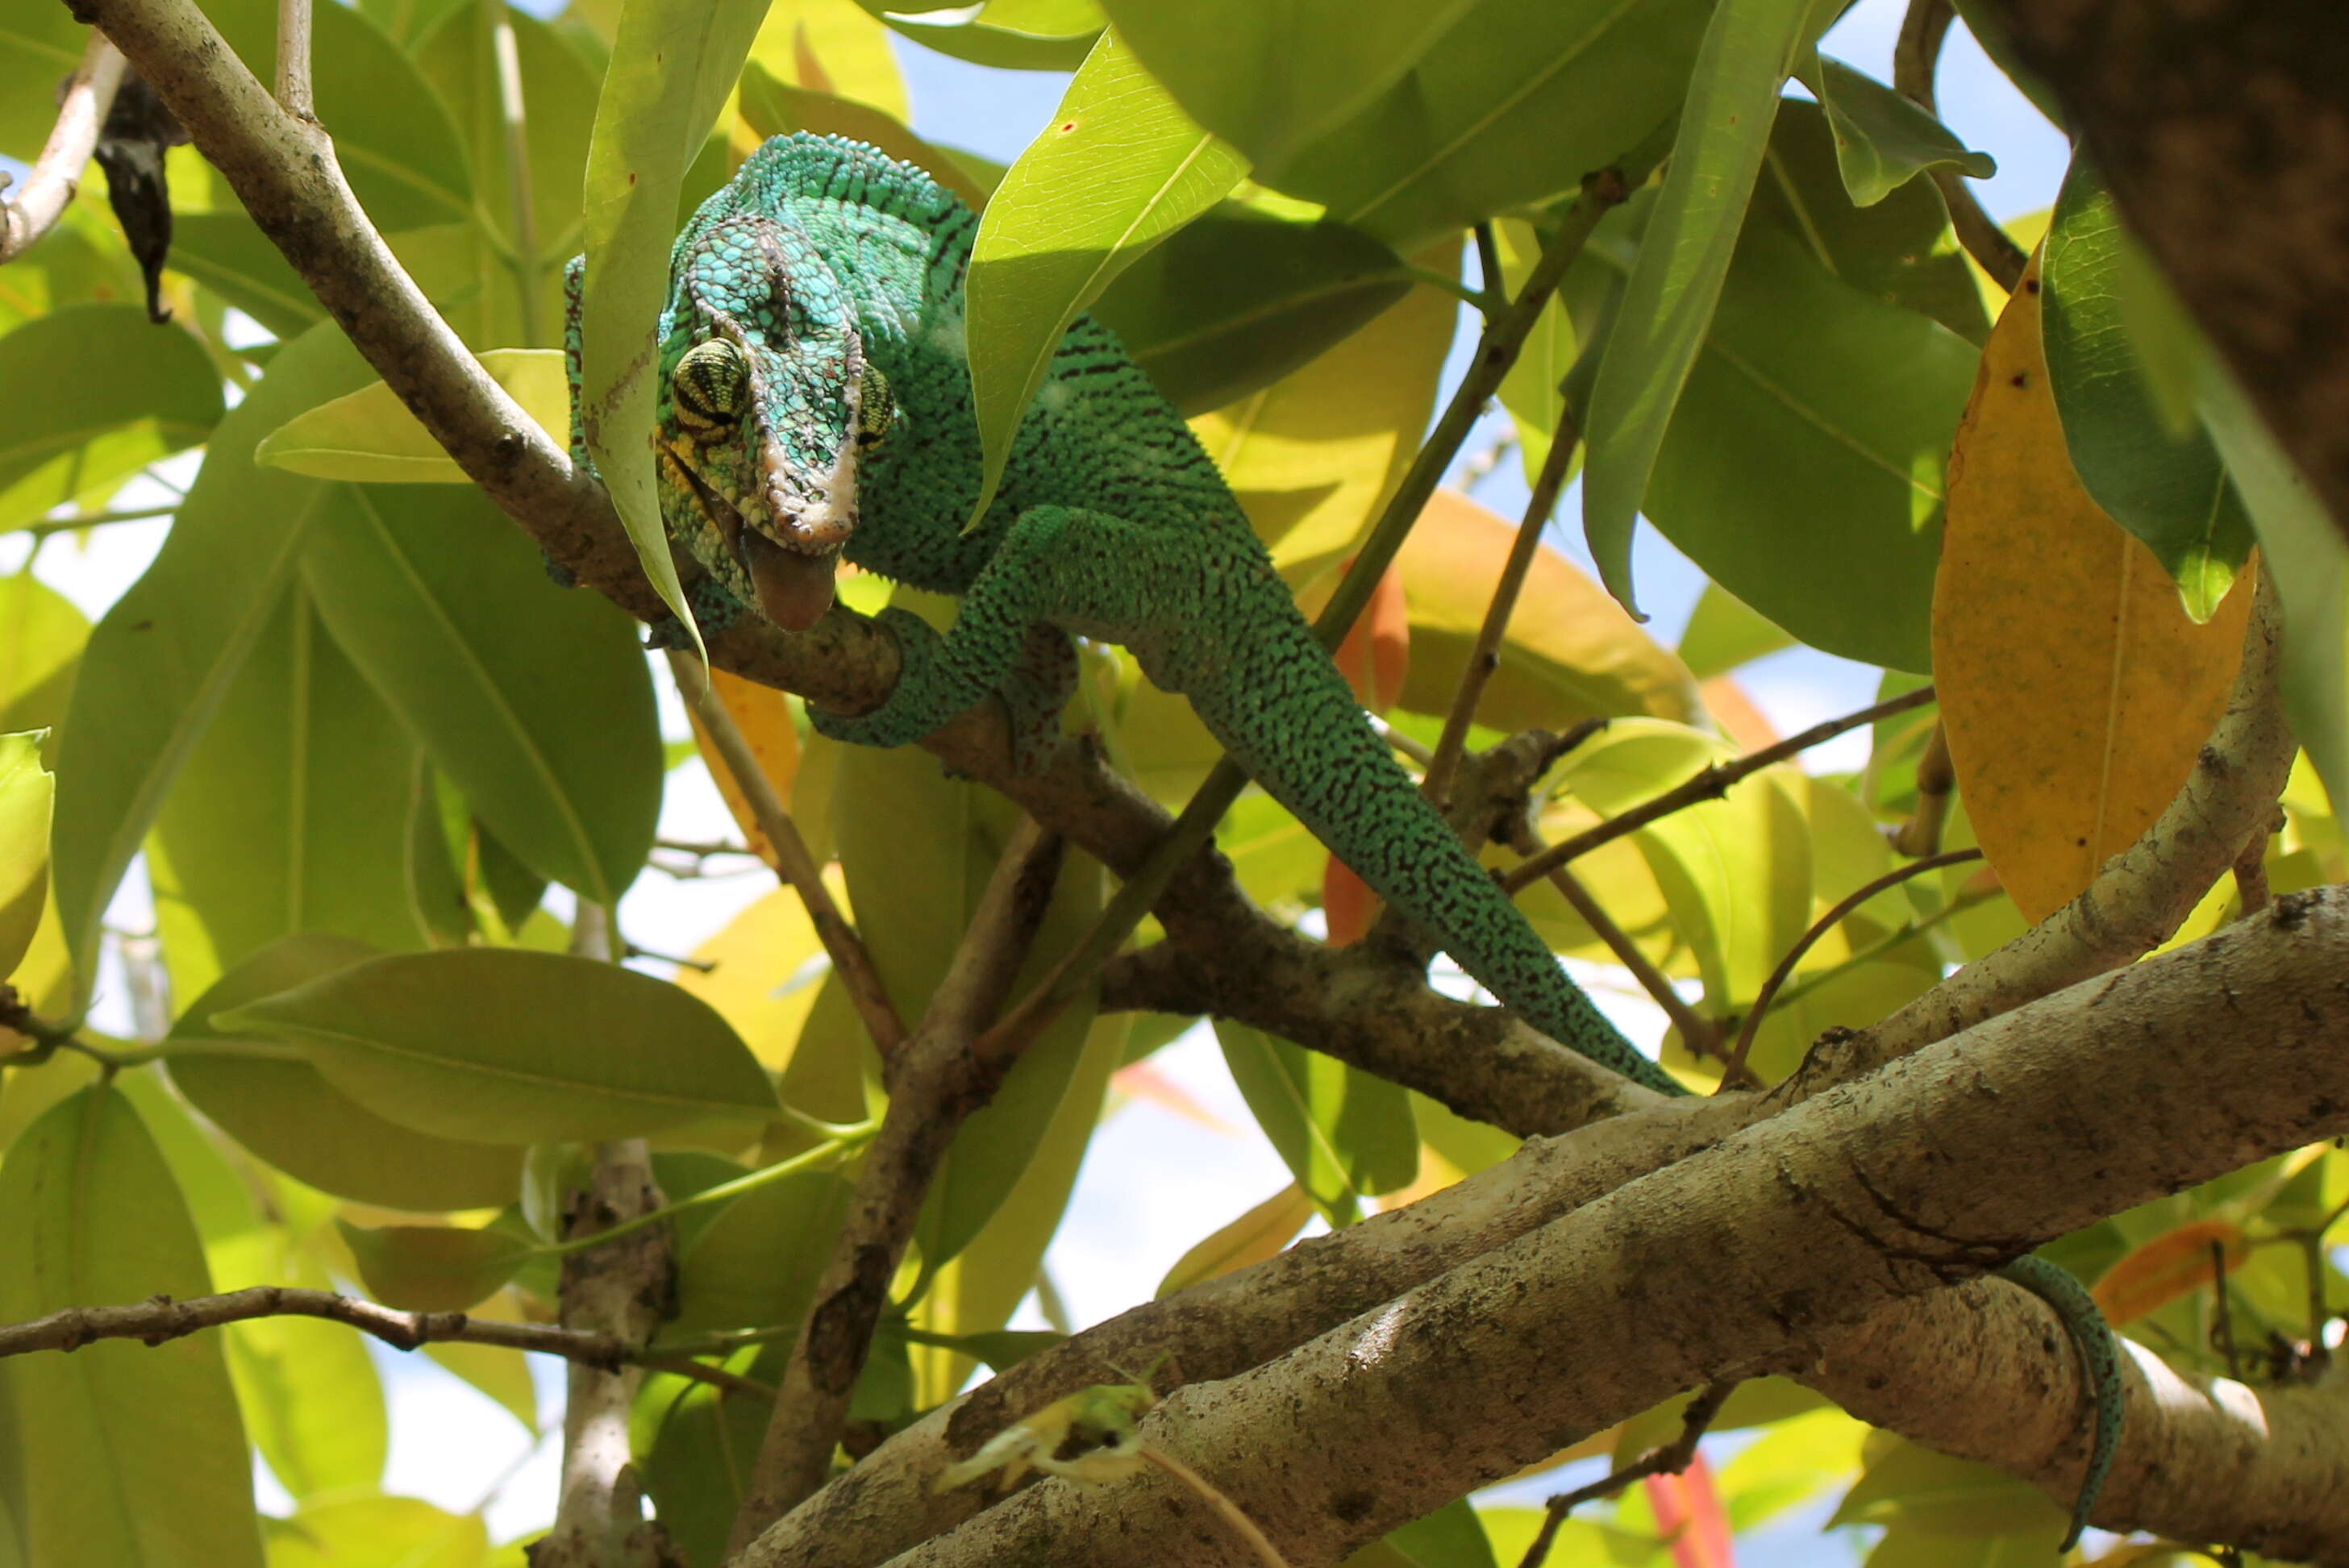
{"x":791,"y":578}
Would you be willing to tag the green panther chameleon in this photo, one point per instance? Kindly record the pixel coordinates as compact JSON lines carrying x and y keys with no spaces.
{"x":815,"y":405}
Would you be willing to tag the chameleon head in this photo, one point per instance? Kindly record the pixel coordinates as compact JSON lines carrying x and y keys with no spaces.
{"x":762,"y":430}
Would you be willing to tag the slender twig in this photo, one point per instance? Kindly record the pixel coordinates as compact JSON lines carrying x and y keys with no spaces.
{"x":702,"y":851}
{"x":56,"y":173}
{"x":1936,"y":784}
{"x":945,"y":1074}
{"x":1914,"y":60}
{"x":160,"y":1319}
{"x":512,"y":110}
{"x":1670,"y":1459}
{"x":1403,"y":744}
{"x":1709,"y":785}
{"x":1819,"y":928}
{"x":1484,"y":658}
{"x":793,"y":861}
{"x":94,"y":519}
{"x":294,"y":60}
{"x":1702,"y":1038}
{"x":1488,"y":270}
{"x":1229,"y":1512}
{"x":2223,"y":1329}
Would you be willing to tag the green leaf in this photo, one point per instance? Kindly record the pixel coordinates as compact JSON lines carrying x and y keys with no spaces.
{"x":290,"y":813}
{"x":369,"y":435}
{"x":755,"y":1263}
{"x":90,"y":395}
{"x":918,"y":849}
{"x":535,"y":701}
{"x":289,"y":1114}
{"x":773,"y":107}
{"x":392,"y":136}
{"x":976,"y":1293}
{"x":434,"y":1268}
{"x":2310,"y":567}
{"x":307,"y":1388}
{"x":1899,"y":252}
{"x":694,"y":1443}
{"x":1233,"y":64}
{"x":27,"y":791}
{"x":1735,"y":873}
{"x":1516,"y":101}
{"x":226,"y":252}
{"x":999,"y":48}
{"x":1119,"y":168}
{"x":373,"y":1531}
{"x":1724,"y":632}
{"x":1934,"y":1494}
{"x":673,"y":64}
{"x":1883,"y":140}
{"x":1668,"y":301}
{"x":2170,"y":490}
{"x":41,"y":638}
{"x":140,"y":1457}
{"x":1344,"y":1133}
{"x":1242,"y":296}
{"x":1807,"y":386}
{"x":509,"y":1046}
{"x":1448,"y":1538}
{"x":38,"y":48}
{"x":159,"y":662}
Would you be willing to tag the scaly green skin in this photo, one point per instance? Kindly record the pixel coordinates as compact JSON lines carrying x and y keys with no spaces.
{"x":836,"y":416}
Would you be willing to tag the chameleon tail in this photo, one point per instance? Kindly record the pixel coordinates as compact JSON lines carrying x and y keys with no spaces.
{"x":2100,"y":1367}
{"x":1289,"y":718}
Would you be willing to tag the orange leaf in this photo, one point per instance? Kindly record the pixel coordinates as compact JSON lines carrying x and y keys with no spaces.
{"x":1254,"y":1236}
{"x":2075,"y":691}
{"x":1347,"y":902}
{"x":1689,"y":1512}
{"x":1571,"y":652}
{"x":1736,"y":713}
{"x":1376,"y":654}
{"x":2174,"y":1264}
{"x":763,"y":714}
{"x":1145,"y":1080}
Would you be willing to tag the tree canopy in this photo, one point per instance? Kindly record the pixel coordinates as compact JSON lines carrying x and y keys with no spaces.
{"x":329,"y":1012}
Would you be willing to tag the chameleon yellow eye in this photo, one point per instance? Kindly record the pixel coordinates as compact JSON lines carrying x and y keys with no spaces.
{"x":711,"y":385}
{"x":877,"y":409}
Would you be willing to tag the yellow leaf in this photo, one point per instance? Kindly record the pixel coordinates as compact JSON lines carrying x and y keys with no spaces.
{"x":1254,"y":1236}
{"x":369,"y":436}
{"x":833,"y":46}
{"x":1313,"y":455}
{"x":756,"y":980}
{"x":1571,"y":652}
{"x":2172,"y":1265}
{"x":2075,"y":690}
{"x":763,"y":714}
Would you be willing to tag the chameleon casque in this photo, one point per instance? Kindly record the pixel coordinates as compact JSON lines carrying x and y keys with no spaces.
{"x":815,"y":405}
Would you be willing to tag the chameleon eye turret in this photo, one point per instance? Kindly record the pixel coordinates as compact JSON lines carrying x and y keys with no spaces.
{"x":712,"y":386}
{"x":877,"y":409}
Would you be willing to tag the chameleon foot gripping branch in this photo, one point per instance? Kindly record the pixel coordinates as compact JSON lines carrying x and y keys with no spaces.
{"x":814,"y":405}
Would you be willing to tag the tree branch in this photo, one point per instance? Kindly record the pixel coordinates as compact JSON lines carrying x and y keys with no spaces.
{"x":56,"y":173}
{"x":1758,"y":1251}
{"x":2140,"y":895}
{"x":940,"y":1081}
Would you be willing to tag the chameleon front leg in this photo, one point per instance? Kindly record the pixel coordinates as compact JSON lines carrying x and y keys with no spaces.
{"x":1002,"y":643}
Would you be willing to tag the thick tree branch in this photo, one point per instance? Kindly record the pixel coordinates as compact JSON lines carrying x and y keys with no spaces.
{"x":49,"y":190}
{"x":2223,"y":128}
{"x":1768,"y":1249}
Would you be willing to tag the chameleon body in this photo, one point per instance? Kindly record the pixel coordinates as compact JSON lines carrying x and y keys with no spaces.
{"x":815,"y":405}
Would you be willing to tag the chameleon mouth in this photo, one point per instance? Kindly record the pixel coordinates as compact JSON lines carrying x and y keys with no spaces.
{"x":794,"y":588}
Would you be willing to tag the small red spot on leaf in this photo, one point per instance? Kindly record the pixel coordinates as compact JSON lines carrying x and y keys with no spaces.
{"x":1067,"y":125}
